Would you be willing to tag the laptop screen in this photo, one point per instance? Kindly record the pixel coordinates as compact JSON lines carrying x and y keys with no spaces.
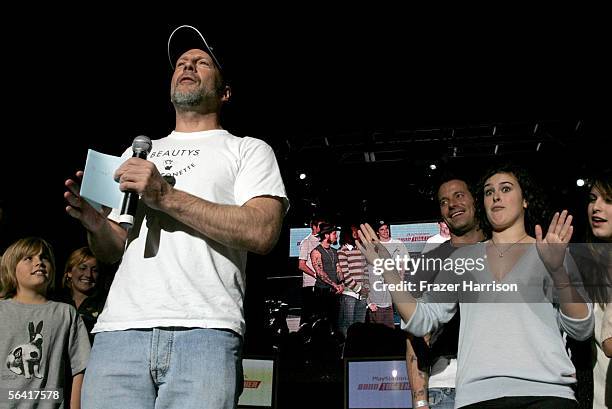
{"x":376,"y":383}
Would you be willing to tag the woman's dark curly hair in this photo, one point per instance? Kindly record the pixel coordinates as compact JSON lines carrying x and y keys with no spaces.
{"x":536,"y":212}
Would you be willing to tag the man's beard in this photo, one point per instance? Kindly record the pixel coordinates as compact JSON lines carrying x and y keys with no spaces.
{"x":463,"y":229}
{"x":187,"y":99}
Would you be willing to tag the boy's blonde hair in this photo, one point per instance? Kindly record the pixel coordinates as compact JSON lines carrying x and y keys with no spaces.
{"x":30,"y":246}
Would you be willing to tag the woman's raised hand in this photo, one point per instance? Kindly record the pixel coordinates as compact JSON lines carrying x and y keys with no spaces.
{"x":551,"y":247}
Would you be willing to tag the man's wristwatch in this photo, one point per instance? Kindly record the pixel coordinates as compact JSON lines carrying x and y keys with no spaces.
{"x":421,"y":404}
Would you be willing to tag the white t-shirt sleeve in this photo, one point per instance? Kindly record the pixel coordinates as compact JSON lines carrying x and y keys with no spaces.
{"x":259,"y":174}
{"x":303,"y":250}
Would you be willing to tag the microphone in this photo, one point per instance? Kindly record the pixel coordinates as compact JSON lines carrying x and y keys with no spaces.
{"x":141,"y":147}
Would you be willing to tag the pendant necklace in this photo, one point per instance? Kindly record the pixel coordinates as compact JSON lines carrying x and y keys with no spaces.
{"x":501,"y":253}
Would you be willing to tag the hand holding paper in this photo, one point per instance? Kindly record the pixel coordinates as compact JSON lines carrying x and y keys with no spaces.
{"x":90,"y":217}
{"x":99,"y":186}
{"x":94,"y":192}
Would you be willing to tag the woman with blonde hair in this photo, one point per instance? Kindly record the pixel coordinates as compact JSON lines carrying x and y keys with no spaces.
{"x":82,"y":286}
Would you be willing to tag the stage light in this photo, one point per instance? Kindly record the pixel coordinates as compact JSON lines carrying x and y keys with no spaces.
{"x":433,"y":166}
{"x":580,"y":182}
{"x":302,"y":176}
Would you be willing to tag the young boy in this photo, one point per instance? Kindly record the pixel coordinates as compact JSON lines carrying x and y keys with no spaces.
{"x":43,"y":342}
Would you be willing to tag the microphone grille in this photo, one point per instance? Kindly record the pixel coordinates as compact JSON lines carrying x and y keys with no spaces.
{"x":142,"y":143}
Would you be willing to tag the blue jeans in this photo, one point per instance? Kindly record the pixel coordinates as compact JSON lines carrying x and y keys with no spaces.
{"x":441,"y":398}
{"x":164,"y":368}
{"x":351,"y":311}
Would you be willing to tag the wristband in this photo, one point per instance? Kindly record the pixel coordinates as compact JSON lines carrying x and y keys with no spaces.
{"x":421,"y":404}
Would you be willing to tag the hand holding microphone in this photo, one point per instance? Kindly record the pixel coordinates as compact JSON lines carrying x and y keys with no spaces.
{"x":136,"y":175}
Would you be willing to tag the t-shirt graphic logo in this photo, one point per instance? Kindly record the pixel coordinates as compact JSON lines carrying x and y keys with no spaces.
{"x":25,"y":359}
{"x":168,"y":164}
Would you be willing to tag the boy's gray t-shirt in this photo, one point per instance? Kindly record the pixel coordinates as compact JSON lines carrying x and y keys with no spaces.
{"x":41,"y":345}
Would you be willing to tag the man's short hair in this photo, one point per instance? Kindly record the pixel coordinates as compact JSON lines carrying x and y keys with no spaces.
{"x":448,"y":176}
{"x":315,"y":221}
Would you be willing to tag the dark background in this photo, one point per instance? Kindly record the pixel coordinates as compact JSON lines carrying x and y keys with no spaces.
{"x":323,"y":91}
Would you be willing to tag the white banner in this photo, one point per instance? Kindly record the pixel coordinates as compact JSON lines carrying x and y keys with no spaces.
{"x":258,"y":383}
{"x":414,"y":235}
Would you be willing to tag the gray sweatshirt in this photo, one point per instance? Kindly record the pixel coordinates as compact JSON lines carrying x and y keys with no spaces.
{"x":510,"y":344}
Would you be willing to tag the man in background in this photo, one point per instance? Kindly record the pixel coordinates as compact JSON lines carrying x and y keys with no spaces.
{"x":309,"y":276}
{"x":437,"y":239}
{"x":432,"y":361}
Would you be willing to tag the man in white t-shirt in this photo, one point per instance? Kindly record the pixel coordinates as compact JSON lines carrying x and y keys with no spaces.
{"x":170,"y":334}
{"x":437,"y":239}
{"x":309,"y":276}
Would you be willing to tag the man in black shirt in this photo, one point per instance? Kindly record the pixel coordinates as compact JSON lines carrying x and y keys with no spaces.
{"x":435,"y":353}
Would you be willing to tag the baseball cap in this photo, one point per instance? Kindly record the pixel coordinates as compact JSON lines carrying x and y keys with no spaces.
{"x":185,"y":38}
{"x":380,"y":223}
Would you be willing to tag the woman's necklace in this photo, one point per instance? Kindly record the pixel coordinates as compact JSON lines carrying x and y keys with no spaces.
{"x":501,"y":253}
